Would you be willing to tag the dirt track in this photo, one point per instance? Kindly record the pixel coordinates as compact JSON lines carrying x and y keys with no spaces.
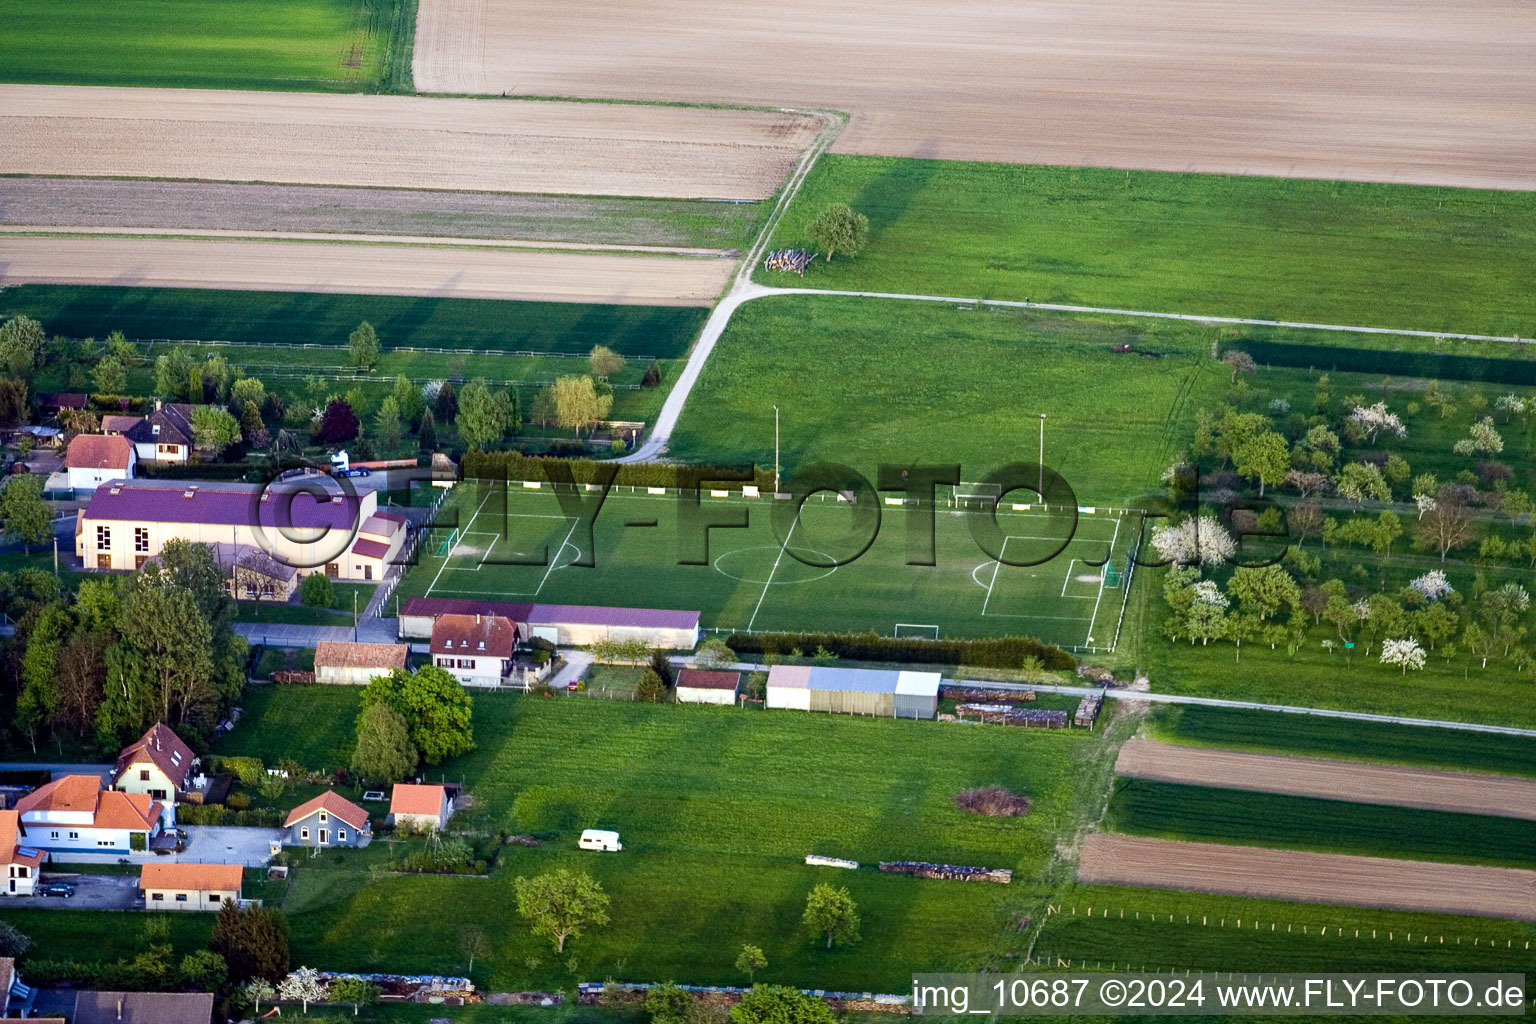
{"x":399,"y":141}
{"x":1391,"y":90}
{"x":1330,"y":780}
{"x":462,"y":272}
{"x":1309,"y":877}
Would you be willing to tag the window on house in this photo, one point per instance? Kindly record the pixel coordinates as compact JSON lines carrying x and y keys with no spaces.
{"x":213,"y":898}
{"x":323,"y":818}
{"x":341,"y":835}
{"x":74,"y":835}
{"x":144,"y":775}
{"x":141,"y":538}
{"x":53,"y":835}
{"x":103,"y":536}
{"x":303,"y":833}
{"x":157,"y":897}
{"x":103,"y":842}
{"x":181,"y":897}
{"x":446,"y":643}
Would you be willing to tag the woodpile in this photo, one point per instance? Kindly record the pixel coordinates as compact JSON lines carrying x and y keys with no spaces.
{"x":947,"y":872}
{"x":984,"y":696}
{"x":786,"y":260}
{"x":293,"y":675}
{"x":1004,"y":714}
{"x":1088,"y":710}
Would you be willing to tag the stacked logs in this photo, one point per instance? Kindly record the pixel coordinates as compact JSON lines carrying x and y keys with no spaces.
{"x":785,"y":260}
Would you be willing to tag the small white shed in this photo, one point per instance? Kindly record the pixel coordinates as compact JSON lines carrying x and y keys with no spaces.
{"x":695,"y":686}
{"x":789,"y":687}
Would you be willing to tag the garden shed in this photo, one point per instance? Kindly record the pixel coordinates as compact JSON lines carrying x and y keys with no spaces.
{"x":789,"y":687}
{"x":917,"y":695}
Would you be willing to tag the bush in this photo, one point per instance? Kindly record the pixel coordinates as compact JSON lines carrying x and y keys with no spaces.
{"x":992,"y":802}
{"x":249,"y":770}
{"x":316,"y":591}
{"x":650,"y":688}
{"x":238,"y":802}
{"x":991,"y":652}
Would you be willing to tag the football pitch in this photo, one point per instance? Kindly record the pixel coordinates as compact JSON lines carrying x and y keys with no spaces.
{"x":517,"y":543}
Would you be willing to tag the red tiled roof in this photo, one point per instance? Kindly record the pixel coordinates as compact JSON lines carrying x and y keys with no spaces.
{"x":698,"y":679}
{"x":382,"y":524}
{"x":132,"y":811}
{"x":162,"y":748}
{"x":70,"y":793}
{"x":11,"y":840}
{"x":337,"y":805}
{"x":489,"y":635}
{"x":196,"y":877}
{"x":98,"y":451}
{"x":412,"y":799}
{"x":346,"y":654}
{"x":370,"y":548}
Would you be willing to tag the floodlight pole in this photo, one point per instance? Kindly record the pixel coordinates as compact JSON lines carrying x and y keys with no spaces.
{"x":775,"y":449}
{"x":1042,"y":457}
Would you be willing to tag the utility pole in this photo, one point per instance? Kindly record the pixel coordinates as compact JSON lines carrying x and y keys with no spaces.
{"x":354,"y":616}
{"x":775,"y":449}
{"x":56,"y":556}
{"x":1042,"y":458}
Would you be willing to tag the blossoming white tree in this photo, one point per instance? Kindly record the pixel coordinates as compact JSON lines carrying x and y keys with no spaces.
{"x":1484,"y":439}
{"x":1200,"y":540}
{"x":304,"y":985}
{"x":1207,"y":592}
{"x":1405,"y":653}
{"x":1433,"y":585}
{"x":1376,"y":419}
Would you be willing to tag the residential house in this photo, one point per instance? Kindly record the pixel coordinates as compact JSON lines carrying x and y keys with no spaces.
{"x":157,"y":764}
{"x":93,"y":459}
{"x":165,"y":435}
{"x":344,"y":662}
{"x":413,"y":807}
{"x":695,"y":686}
{"x":74,"y":814}
{"x":330,"y":819}
{"x":19,"y":864}
{"x":475,"y":649}
{"x":142,"y":1008}
{"x":189,"y":886}
{"x":340,"y":533}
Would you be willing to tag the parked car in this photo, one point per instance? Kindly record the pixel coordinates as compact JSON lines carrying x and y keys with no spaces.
{"x":63,"y":889}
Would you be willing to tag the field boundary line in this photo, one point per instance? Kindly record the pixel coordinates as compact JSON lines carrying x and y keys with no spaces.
{"x":774,"y":571}
{"x":554,"y":560}
{"x":1108,"y":559}
{"x":464,"y":530}
{"x":997,"y":566}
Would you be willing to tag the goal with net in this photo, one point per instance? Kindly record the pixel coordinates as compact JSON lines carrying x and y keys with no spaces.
{"x":972,"y":494}
{"x":910,"y":629}
{"x":448,"y":542}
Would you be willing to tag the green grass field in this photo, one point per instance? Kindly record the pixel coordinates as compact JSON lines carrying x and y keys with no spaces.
{"x":754,"y":580}
{"x":312,"y":45}
{"x":1206,"y":814}
{"x":1319,"y":251}
{"x":717,"y":808}
{"x":294,"y":317}
{"x":1273,"y":732}
{"x":1145,"y":938}
{"x":866,"y":381}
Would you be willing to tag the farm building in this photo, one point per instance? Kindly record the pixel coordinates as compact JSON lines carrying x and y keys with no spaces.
{"x":345,"y":662}
{"x":855,"y":691}
{"x":695,"y":686}
{"x":189,"y":886}
{"x":563,"y":624}
{"x":413,"y":806}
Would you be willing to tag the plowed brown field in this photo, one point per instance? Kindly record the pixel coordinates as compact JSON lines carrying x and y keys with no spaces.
{"x":463,"y":272}
{"x":1330,"y":780}
{"x":1388,"y":90}
{"x":1309,"y":877}
{"x":400,"y":141}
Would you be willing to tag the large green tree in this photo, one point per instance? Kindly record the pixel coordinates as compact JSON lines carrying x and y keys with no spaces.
{"x":363,"y":345}
{"x":559,"y":904}
{"x":485,"y":416}
{"x":830,"y":911}
{"x":21,"y":345}
{"x":24,"y":515}
{"x":214,"y":429}
{"x":775,"y":1004}
{"x":252,"y":940}
{"x":109,"y":376}
{"x":839,"y":228}
{"x":384,"y":752}
{"x":435,"y":708}
{"x":578,"y":405}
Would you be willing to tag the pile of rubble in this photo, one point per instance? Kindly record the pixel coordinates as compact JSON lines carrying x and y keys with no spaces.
{"x":948,"y":872}
{"x":1004,"y":714}
{"x":785,"y":260}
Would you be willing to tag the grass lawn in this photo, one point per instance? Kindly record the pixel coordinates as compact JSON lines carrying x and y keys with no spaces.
{"x":339,"y":614}
{"x":866,"y":381}
{"x":313,"y":45}
{"x":717,"y":807}
{"x":295,"y":317}
{"x":1273,"y":732}
{"x":1137,"y":941}
{"x":745,"y":580}
{"x":1290,"y":249}
{"x":1207,"y":814}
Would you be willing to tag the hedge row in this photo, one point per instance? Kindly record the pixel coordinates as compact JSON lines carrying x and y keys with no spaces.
{"x":478,"y":465}
{"x":121,"y":404}
{"x":1430,"y":365}
{"x":201,"y":471}
{"x":990,"y":652}
{"x":214,"y":814}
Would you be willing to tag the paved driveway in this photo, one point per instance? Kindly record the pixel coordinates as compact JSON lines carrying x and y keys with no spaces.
{"x":92,"y":892}
{"x":220,"y":844}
